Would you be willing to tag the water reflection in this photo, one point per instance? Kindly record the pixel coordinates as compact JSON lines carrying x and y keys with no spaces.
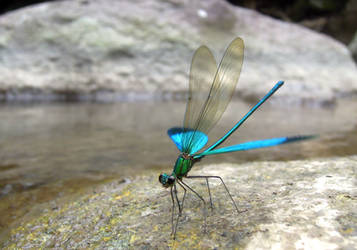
{"x":44,"y":143}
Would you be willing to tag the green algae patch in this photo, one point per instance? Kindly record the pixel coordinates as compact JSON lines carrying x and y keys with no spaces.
{"x":285,"y":205}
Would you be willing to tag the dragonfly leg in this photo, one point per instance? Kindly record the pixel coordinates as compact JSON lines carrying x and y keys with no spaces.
{"x":218,"y":177}
{"x":209,"y":192}
{"x":179,"y":215}
{"x":200,"y":197}
{"x":184,"y":196}
{"x":177,"y":200}
{"x":172,"y":210}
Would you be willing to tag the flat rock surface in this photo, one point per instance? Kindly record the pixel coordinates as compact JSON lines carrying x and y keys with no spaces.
{"x":109,"y":50}
{"x":308,"y":204}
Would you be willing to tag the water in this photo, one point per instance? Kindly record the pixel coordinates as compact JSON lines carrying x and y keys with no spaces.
{"x":53,"y":150}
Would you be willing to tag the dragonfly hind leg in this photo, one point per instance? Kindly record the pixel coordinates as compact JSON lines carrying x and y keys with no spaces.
{"x":209,"y":192}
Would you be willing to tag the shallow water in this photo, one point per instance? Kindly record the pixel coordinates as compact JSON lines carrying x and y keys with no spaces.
{"x":49,"y":150}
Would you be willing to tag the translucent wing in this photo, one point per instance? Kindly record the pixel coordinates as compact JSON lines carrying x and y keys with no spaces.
{"x":245,"y":117}
{"x":210,"y":91}
{"x":202,"y":72}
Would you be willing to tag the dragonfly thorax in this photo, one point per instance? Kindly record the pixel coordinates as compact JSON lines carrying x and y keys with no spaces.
{"x":182,"y":166}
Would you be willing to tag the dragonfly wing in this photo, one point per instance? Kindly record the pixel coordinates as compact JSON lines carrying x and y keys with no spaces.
{"x":202,"y":72}
{"x":176,"y":135}
{"x":256,"y":144}
{"x":210,"y":90}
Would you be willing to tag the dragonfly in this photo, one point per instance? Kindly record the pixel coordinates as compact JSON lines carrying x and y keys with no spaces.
{"x":210,"y":90}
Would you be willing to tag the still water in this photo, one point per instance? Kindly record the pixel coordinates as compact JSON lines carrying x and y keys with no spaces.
{"x":47,"y":150}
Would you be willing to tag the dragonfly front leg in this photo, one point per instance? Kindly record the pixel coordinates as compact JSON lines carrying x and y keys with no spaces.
{"x":180,"y":213}
{"x":174,"y":192}
{"x":177,"y":199}
{"x":172,"y":211}
{"x":183,"y":198}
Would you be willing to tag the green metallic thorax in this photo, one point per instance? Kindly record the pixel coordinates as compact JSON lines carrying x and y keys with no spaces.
{"x":182,"y":166}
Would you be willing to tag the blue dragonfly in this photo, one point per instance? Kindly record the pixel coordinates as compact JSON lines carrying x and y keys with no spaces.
{"x":210,"y":91}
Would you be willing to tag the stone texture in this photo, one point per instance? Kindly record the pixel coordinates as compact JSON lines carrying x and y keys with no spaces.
{"x":108,"y":50}
{"x":309,"y":204}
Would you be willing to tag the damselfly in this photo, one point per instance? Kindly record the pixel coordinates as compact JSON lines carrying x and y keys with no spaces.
{"x":210,"y":91}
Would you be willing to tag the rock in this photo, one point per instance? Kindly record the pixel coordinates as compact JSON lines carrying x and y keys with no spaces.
{"x":105,"y":50}
{"x":307,"y":204}
{"x":7,"y":189}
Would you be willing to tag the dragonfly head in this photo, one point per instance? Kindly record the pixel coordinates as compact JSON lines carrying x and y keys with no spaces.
{"x":166,"y":180}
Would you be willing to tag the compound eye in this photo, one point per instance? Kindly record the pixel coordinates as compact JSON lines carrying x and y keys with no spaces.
{"x":171,"y":180}
{"x":161,"y":178}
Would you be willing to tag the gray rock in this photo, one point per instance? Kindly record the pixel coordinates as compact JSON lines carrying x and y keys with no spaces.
{"x":108,"y":50}
{"x":308,"y":204}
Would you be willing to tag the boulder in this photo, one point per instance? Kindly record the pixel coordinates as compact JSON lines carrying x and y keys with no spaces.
{"x":114,"y":50}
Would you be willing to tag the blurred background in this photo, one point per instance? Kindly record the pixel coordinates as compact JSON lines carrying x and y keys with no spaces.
{"x":335,"y":18}
{"x":88,"y":88}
